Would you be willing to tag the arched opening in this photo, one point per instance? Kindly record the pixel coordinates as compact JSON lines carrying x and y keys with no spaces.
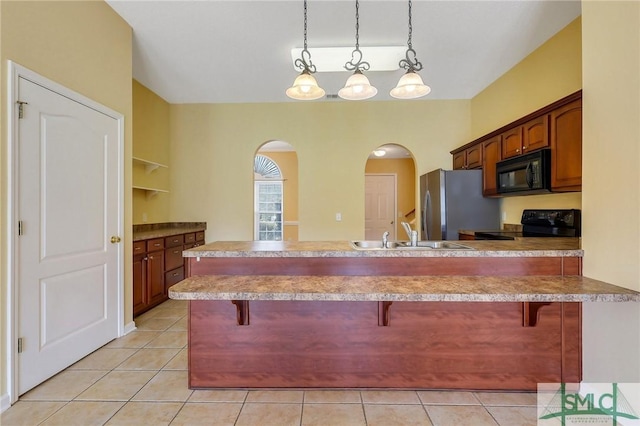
{"x":276,"y":192}
{"x":390,"y":192}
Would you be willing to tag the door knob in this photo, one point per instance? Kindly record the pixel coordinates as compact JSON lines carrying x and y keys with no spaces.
{"x":115,"y":239}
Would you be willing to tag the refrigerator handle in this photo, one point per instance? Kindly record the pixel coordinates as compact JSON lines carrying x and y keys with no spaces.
{"x":427,"y":214}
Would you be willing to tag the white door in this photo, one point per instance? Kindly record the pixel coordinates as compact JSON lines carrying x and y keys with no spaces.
{"x":380,"y":206}
{"x":67,"y":268}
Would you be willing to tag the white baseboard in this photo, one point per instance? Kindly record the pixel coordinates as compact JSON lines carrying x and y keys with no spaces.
{"x":5,"y":402}
{"x":129,"y":328}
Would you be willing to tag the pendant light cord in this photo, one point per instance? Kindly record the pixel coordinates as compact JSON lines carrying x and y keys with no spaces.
{"x":304,"y":62}
{"x":410,"y":63}
{"x":356,"y":63}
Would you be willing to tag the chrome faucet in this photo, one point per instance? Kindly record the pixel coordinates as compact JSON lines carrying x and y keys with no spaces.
{"x":413,"y":235}
{"x":385,"y":239}
{"x":407,"y":229}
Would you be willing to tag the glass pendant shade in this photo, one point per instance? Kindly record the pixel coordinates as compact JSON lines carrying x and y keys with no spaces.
{"x":410,"y":86}
{"x":305,"y":87}
{"x":357,"y":88}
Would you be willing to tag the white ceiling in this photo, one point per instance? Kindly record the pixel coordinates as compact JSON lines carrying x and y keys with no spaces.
{"x":231,"y":51}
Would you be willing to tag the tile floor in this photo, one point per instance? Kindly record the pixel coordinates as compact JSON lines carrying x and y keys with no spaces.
{"x":141,"y":379}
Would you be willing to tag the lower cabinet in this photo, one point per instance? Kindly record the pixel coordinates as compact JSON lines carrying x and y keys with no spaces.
{"x":157,"y":265}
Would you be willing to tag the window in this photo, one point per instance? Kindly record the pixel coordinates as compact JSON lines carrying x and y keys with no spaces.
{"x":268,"y":200}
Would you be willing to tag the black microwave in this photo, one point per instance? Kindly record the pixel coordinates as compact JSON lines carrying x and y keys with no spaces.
{"x":529,"y":173}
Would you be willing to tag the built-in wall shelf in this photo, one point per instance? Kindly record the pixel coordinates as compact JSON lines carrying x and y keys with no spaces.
{"x":149,"y":166}
{"x":150,"y":192}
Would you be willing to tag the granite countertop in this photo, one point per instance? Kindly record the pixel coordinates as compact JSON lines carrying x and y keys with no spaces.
{"x":402,"y":288}
{"x":524,"y":247}
{"x":148,"y":231}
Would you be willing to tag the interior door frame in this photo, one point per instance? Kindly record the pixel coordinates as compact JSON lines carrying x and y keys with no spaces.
{"x":15,"y":73}
{"x":395,"y":201}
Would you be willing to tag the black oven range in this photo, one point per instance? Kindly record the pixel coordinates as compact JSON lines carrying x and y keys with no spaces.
{"x":540,"y":223}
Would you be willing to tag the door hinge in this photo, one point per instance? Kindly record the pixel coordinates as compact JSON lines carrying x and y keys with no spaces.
{"x":19,"y":345}
{"x":21,"y":105}
{"x":19,"y":227}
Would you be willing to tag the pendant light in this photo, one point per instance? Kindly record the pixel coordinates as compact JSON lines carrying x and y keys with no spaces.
{"x":305,"y":87}
{"x":357,"y":86}
{"x":410,"y":85}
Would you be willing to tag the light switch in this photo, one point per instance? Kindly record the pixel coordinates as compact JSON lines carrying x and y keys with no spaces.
{"x":338,"y":217}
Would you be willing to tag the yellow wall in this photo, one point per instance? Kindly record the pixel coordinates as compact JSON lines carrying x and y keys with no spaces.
{"x":405,"y":172}
{"x":611,"y":185}
{"x":288,"y":163}
{"x":85,"y":46}
{"x":213,"y":146}
{"x":551,"y":72}
{"x":151,"y":143}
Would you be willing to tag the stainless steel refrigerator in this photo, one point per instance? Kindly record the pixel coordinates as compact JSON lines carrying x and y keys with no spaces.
{"x":451,"y":200}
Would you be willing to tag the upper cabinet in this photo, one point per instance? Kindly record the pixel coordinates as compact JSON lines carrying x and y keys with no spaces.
{"x":528,"y":137}
{"x":558,"y":126}
{"x":470,"y":158}
{"x":491,"y":154}
{"x":566,"y":147}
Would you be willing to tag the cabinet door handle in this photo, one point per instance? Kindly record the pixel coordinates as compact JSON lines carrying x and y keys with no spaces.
{"x":150,"y":257}
{"x":176,"y":251}
{"x":175,"y":274}
{"x":524,"y":147}
{"x":145,"y":258}
{"x":157,"y":244}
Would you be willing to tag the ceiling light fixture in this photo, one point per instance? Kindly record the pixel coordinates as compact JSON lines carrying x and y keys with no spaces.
{"x":357,"y":86}
{"x":305,"y":87}
{"x":379,"y":152}
{"x":410,"y":85}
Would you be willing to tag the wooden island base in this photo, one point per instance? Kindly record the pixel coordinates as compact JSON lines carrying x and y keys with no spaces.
{"x":437,"y":345}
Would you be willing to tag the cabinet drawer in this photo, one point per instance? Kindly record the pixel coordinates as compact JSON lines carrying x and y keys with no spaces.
{"x":139,"y":247}
{"x":173,"y":277}
{"x":155,"y":244}
{"x":200,"y":236}
{"x":190,"y":238}
{"x":172,"y":258}
{"x":174,"y":240}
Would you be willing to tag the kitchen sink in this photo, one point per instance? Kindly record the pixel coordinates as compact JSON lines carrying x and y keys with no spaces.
{"x":404,"y":245}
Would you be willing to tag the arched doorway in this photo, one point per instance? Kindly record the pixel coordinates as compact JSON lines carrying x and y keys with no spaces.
{"x":276,"y":192}
{"x":390,"y":192}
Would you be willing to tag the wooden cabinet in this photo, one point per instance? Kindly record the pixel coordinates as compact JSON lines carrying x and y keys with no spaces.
{"x":492,"y":153}
{"x":528,"y":137}
{"x":157,"y":265}
{"x":470,"y":158}
{"x":566,"y":147}
{"x":557,"y":126}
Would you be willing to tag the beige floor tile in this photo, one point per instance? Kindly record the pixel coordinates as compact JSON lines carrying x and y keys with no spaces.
{"x":169,"y":339}
{"x":135,"y":339}
{"x":177,"y":313}
{"x":172,"y":303}
{"x":508,"y":398}
{"x":180,"y":325}
{"x":148,"y":359}
{"x":285,"y":396}
{"x":390,"y":397}
{"x":64,"y":386}
{"x":509,"y":416}
{"x":459,"y":415}
{"x":103,"y":359}
{"x":146,"y":413}
{"x":166,"y":386}
{"x":333,"y":414}
{"x":332,"y":397}
{"x":208,"y":413}
{"x":84,"y":413}
{"x":220,"y":395}
{"x":448,"y":398}
{"x":155,"y":324}
{"x":178,"y":362}
{"x":117,"y":386}
{"x":28,"y":413}
{"x":270,"y":415}
{"x":397,"y":415}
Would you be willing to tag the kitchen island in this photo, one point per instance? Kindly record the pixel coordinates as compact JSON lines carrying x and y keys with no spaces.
{"x":503,"y":315}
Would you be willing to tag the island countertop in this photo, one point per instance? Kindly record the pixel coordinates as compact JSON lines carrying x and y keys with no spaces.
{"x":523,"y":247}
{"x":401,"y":288}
